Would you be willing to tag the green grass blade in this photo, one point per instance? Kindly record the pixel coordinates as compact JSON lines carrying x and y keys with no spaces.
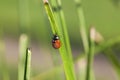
{"x":83,"y":33}
{"x":64,"y":27}
{"x":55,"y":57}
{"x":67,"y":61}
{"x":82,"y":25}
{"x":56,"y":9}
{"x":65,"y":32}
{"x":51,"y":17}
{"x":57,"y":5}
{"x":90,"y":56}
{"x":23,"y":43}
{"x":27,"y":65}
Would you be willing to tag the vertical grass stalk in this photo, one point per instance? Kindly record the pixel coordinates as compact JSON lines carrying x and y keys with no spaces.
{"x":67,"y":61}
{"x":23,"y":43}
{"x":57,"y":6}
{"x":90,"y":57}
{"x":51,"y":17}
{"x":27,"y":65}
{"x":55,"y":56}
{"x":56,"y":9}
{"x":64,"y":27}
{"x":82,"y":25}
{"x":84,"y":35}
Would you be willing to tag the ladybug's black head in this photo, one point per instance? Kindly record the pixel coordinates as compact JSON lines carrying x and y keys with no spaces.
{"x":55,"y":37}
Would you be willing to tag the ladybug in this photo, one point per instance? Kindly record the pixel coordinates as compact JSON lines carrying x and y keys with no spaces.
{"x":56,"y":42}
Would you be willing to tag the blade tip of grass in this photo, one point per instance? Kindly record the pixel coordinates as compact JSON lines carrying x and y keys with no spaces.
{"x":29,"y":50}
{"x":92,"y":33}
{"x":23,"y":37}
{"x":45,"y":1}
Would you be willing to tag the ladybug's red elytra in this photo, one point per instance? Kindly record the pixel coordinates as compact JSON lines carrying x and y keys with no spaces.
{"x":56,"y":42}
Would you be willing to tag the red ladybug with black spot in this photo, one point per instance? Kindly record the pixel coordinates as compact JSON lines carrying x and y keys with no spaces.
{"x":56,"y":42}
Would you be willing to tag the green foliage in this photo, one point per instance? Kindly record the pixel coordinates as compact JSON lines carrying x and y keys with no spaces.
{"x":27,"y":65}
{"x":23,"y":44}
{"x":66,"y":57}
{"x":32,"y":19}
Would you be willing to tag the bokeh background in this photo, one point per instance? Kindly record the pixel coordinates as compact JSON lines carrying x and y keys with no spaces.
{"x":29,"y":16}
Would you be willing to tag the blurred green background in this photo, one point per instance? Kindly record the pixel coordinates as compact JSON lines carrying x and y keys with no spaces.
{"x":103,"y":14}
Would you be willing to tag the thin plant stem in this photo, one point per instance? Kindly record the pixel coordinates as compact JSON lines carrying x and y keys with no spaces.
{"x":67,"y":61}
{"x":57,"y":5}
{"x":56,"y":9}
{"x":23,"y":44}
{"x":64,"y":27}
{"x":51,"y":17}
{"x":83,"y":33}
{"x":82,"y":25}
{"x":58,"y":12}
{"x":90,"y":56}
{"x":27,"y":65}
{"x":55,"y":56}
